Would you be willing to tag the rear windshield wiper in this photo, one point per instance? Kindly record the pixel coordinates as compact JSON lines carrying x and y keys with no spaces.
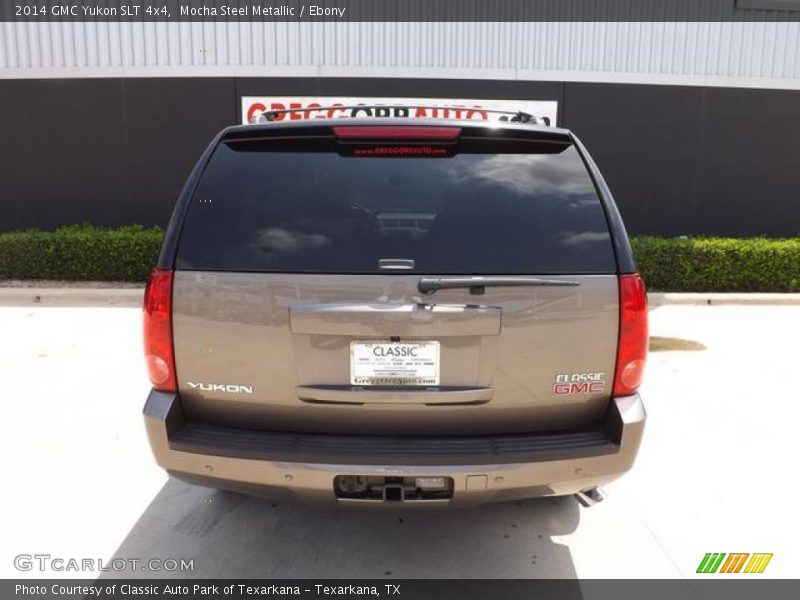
{"x":478,"y":285}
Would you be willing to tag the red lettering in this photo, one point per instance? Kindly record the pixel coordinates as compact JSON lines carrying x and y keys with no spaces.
{"x":256,"y":107}
{"x":307,"y":114}
{"x":482,"y":114}
{"x":278,"y":106}
{"x":331,"y":111}
{"x":295,"y":116}
{"x":594,"y":387}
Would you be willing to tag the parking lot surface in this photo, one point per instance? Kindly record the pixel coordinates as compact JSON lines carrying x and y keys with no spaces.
{"x":715,"y":472}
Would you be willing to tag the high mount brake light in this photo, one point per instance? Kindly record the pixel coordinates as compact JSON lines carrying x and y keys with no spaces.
{"x":633,"y":335}
{"x":395,"y":132}
{"x":158,"y":351}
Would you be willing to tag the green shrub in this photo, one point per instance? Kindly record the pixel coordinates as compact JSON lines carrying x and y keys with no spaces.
{"x":719,"y":264}
{"x":80,"y":253}
{"x":87,"y":253}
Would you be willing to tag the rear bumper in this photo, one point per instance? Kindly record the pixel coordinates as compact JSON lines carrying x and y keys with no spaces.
{"x":296,"y":467}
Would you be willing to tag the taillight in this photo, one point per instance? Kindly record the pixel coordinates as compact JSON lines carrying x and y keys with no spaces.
{"x":158,"y":352}
{"x":632,"y":349}
{"x":395,"y":132}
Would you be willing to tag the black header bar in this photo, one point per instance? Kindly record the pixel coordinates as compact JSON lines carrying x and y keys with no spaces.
{"x":399,"y":10}
{"x":744,"y":588}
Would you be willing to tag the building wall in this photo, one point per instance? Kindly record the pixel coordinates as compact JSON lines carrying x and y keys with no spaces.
{"x":764,"y":54}
{"x":696,"y":125}
{"x":680,"y":159}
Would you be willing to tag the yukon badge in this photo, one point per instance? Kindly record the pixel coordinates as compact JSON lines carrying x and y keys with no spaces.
{"x":579,"y":383}
{"x":230,"y":388}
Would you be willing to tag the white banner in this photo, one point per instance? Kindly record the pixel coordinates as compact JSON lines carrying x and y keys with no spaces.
{"x":446,"y":108}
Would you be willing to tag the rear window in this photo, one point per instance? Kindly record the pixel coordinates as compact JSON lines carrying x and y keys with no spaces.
{"x":520,"y":208}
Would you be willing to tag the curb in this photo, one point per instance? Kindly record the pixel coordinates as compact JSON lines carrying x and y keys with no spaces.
{"x":132,"y":297}
{"x":718,"y":299}
{"x":71,"y":296}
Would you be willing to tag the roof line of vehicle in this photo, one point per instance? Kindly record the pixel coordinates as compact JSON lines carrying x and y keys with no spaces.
{"x":396,"y":121}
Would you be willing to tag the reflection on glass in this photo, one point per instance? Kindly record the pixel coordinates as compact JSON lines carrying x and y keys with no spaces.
{"x":468,"y":214}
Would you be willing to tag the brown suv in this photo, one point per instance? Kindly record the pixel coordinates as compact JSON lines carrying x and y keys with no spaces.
{"x":376,"y":311}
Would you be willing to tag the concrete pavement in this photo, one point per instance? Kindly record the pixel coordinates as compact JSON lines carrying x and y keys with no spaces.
{"x":715,"y":473}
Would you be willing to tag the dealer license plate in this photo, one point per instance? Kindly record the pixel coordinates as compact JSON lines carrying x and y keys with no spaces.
{"x":394,"y":363}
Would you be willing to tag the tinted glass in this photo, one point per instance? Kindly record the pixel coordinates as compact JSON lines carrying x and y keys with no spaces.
{"x":469,"y":213}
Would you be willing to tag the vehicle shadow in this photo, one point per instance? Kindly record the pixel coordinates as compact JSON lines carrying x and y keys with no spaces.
{"x":233,"y":536}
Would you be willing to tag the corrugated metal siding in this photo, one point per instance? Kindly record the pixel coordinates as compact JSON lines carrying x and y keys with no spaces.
{"x":666,"y":52}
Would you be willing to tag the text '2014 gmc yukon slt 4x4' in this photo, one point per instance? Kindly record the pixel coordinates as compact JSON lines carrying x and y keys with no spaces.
{"x":379,"y":312}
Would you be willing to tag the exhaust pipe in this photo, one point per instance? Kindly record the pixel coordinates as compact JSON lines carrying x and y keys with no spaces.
{"x":590,"y":497}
